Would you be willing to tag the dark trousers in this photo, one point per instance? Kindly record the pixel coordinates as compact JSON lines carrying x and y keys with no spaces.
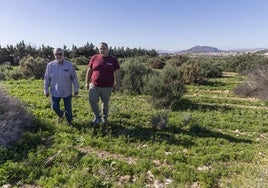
{"x":67,"y":101}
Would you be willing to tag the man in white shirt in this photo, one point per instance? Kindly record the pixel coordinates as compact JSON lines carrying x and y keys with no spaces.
{"x":59,"y":78}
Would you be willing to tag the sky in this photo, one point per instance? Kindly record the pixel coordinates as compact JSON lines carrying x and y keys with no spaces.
{"x":171,"y":25}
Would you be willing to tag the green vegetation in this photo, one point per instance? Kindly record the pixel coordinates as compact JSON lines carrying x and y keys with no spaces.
{"x":211,"y":138}
{"x":176,"y":123}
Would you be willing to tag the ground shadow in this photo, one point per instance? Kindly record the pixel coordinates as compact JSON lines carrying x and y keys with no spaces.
{"x":196,"y":130}
{"x":170,"y":135}
{"x":187,"y":104}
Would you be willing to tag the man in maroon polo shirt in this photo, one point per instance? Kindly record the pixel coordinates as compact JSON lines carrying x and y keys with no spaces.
{"x":103,"y":74}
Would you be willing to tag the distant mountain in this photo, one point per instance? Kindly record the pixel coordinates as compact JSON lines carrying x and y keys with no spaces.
{"x":202,"y":49}
{"x":209,"y":49}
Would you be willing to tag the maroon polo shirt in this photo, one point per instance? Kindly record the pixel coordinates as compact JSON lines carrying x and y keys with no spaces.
{"x":103,"y":70}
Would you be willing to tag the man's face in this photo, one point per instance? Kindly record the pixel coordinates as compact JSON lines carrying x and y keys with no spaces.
{"x":59,"y":55}
{"x":103,"y":50}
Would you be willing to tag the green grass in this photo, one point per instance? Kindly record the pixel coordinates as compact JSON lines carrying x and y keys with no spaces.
{"x":223,"y":143}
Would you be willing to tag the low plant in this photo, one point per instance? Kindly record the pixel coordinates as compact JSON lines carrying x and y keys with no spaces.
{"x":255,"y":84}
{"x":159,"y":120}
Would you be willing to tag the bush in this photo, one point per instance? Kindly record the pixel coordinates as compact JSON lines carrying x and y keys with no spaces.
{"x":33,"y":67}
{"x":177,"y":60}
{"x":14,"y":119}
{"x":165,"y":88}
{"x":159,"y":120}
{"x":193,"y":73}
{"x":156,"y":63}
{"x":16,"y":74}
{"x":244,"y":63}
{"x":4,"y":70}
{"x":81,"y":60}
{"x":134,"y":74}
{"x":255,"y":85}
{"x":213,"y":70}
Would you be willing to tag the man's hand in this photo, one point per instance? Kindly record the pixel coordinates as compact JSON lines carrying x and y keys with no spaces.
{"x":76,"y":93}
{"x":117,"y":87}
{"x":87,"y":86}
{"x":47,"y":94}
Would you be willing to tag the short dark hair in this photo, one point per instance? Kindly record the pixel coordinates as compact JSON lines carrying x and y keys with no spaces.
{"x":104,"y":43}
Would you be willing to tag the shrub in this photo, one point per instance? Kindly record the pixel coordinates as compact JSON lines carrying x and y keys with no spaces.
{"x":255,"y":85}
{"x":16,"y":74}
{"x":177,"y":60}
{"x":81,"y":60}
{"x":213,"y":70}
{"x":33,"y":67}
{"x":197,"y":71}
{"x":159,"y":120}
{"x":165,"y":88}
{"x":134,"y":75}
{"x":156,"y":63}
{"x":193,"y":73}
{"x":2,"y":75}
{"x":244,"y":63}
{"x":243,"y":90}
{"x":14,"y":119}
{"x":5,"y":70}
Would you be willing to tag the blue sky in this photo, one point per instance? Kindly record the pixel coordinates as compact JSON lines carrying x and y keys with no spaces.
{"x":151,"y":24}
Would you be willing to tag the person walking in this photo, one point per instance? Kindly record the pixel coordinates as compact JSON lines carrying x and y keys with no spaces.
{"x":59,"y":81}
{"x":103,"y":75}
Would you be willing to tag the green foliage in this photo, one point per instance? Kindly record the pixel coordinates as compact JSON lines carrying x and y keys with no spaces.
{"x":165,"y":88}
{"x":33,"y":67}
{"x":134,"y":76}
{"x":16,"y":74}
{"x":159,"y":120}
{"x":4,"y":70}
{"x":177,"y":60}
{"x":222,"y":143}
{"x":193,"y":72}
{"x":81,"y":60}
{"x":244,"y":63}
{"x":156,"y":63}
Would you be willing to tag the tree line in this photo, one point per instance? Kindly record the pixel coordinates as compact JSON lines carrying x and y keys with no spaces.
{"x":13,"y":54}
{"x":144,"y":72}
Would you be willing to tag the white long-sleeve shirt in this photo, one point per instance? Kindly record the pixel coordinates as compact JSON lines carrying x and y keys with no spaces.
{"x":60,"y":77}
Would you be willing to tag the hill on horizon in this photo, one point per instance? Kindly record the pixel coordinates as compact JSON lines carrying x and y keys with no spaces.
{"x":209,"y":49}
{"x":202,"y":49}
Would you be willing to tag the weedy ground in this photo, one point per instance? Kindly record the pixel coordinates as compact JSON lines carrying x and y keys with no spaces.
{"x":213,"y":139}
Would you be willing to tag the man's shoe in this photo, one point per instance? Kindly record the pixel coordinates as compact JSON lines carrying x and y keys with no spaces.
{"x":59,"y":119}
{"x":104,"y":120}
{"x":97,"y":121}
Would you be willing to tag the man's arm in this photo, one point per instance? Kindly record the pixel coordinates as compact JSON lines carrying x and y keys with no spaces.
{"x":117,"y":76}
{"x":75,"y":81}
{"x":46,"y":82}
{"x":88,"y":77}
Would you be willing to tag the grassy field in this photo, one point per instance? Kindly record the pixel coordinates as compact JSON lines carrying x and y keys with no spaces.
{"x":213,"y":139}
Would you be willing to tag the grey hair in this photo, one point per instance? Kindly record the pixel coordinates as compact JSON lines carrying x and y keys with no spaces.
{"x":58,"y":49}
